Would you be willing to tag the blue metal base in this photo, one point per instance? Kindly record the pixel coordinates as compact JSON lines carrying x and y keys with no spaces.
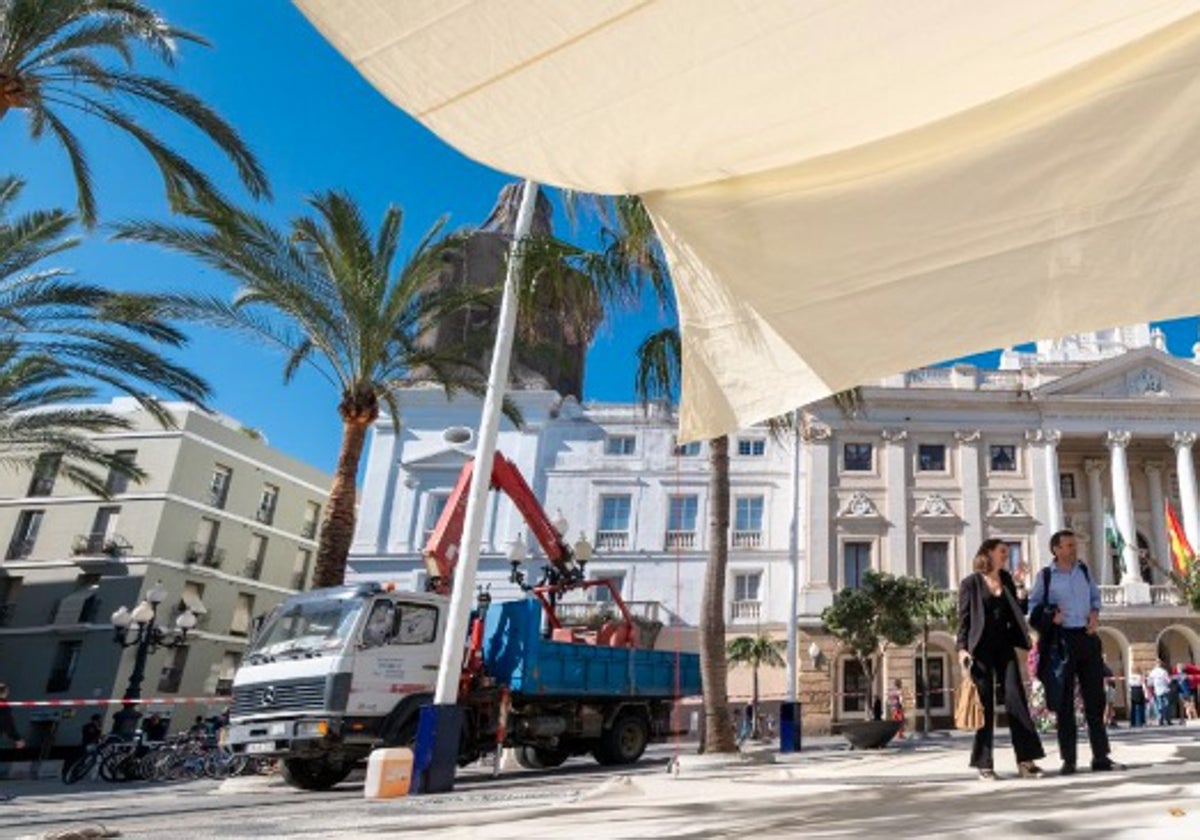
{"x":789,"y":727}
{"x":435,"y":757}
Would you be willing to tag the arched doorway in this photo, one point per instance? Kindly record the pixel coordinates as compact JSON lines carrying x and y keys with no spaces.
{"x":1177,"y":644}
{"x":1116,"y":655}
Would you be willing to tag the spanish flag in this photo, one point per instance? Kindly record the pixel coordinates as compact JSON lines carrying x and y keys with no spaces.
{"x":1182,"y":554}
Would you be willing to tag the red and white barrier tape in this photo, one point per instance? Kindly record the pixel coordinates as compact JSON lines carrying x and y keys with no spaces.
{"x":110,"y":701}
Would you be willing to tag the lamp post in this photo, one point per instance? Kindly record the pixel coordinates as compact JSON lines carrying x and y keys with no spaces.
{"x":138,"y":628}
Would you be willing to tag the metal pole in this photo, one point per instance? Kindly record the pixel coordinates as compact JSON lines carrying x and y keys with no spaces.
{"x":125,"y":721}
{"x":794,"y":564}
{"x":461,"y":596}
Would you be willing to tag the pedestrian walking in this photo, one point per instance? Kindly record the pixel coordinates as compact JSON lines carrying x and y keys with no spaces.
{"x":1160,"y":684}
{"x":991,"y":627}
{"x":1065,"y":609}
{"x":1137,"y":700}
{"x":8,"y":729}
{"x":1110,"y":696}
{"x":1187,"y":694}
{"x":896,"y":706}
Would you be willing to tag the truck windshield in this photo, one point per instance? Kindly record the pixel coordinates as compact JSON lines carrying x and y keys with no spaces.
{"x":308,"y":626}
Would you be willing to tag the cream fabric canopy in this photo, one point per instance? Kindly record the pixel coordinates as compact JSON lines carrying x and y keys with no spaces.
{"x":845,"y":188}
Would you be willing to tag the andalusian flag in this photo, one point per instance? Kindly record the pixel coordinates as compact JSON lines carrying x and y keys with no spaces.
{"x":1113,"y":534}
{"x":1182,"y":554}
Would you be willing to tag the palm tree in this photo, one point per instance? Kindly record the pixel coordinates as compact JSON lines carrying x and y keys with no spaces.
{"x":78,"y":58}
{"x":759,"y":651}
{"x":62,"y":339}
{"x":328,"y":292}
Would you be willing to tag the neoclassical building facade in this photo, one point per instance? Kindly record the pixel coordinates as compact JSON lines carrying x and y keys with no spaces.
{"x":1074,"y":434}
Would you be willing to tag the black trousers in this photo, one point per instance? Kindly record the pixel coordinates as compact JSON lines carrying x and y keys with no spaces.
{"x":1085,"y":663}
{"x":990,"y":672}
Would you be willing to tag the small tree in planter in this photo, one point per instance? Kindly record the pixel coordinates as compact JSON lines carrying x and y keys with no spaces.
{"x":883,"y":611}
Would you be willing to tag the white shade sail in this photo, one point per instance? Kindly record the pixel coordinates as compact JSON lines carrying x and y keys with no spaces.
{"x":844,"y":189}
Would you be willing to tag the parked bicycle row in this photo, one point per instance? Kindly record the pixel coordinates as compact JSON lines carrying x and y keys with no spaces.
{"x":184,"y":757}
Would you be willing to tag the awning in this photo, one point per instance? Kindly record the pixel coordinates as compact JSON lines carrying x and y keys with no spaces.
{"x":845,"y":188}
{"x":191,"y":600}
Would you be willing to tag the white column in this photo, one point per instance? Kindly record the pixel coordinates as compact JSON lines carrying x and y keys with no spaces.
{"x":821,"y":551}
{"x":1099,"y":559}
{"x":462,"y":596}
{"x":1185,"y":468}
{"x":1131,"y":578}
{"x":1154,"y":477}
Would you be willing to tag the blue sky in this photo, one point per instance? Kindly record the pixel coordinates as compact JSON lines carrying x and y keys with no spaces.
{"x":315,"y":124}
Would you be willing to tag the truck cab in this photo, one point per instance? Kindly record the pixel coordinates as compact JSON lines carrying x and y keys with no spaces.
{"x":333,"y":672}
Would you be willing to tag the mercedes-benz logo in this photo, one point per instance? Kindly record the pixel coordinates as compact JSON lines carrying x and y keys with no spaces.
{"x":268,"y":696}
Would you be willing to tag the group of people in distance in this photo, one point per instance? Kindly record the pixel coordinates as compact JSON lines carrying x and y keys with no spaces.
{"x":1161,"y":696}
{"x":1063,"y":607}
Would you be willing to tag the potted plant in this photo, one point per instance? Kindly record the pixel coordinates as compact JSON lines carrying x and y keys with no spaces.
{"x":882,"y":611}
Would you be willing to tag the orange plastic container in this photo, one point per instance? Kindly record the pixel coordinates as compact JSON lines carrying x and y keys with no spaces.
{"x":389,"y":773}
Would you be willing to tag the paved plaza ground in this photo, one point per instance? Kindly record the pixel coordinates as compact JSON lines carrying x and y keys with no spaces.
{"x":921,"y":788}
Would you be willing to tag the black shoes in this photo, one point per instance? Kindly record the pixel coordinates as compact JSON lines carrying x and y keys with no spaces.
{"x":1068,"y":769}
{"x":1106,"y":765}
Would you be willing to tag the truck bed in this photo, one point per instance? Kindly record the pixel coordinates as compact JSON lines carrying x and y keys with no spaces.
{"x":516,"y":654}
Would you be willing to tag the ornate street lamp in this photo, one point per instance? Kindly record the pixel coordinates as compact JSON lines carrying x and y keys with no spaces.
{"x":138,"y":628}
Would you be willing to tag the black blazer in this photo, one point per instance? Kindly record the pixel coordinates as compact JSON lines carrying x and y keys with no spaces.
{"x":971,"y":594}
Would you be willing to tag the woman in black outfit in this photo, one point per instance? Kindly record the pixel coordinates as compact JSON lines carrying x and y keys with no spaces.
{"x":991,"y":627}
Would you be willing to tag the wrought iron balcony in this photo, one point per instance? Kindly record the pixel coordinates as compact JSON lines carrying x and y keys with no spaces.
{"x":95,"y":544}
{"x":253,"y":568}
{"x":19,"y":549}
{"x":308,"y":530}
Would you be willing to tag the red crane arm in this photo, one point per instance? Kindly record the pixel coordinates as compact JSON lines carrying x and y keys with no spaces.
{"x":442,"y":549}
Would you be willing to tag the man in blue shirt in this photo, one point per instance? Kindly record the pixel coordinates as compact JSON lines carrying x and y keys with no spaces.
{"x":1070,"y":607}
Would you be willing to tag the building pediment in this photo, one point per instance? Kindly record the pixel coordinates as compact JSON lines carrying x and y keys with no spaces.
{"x":443,"y":459}
{"x":1138,"y":376}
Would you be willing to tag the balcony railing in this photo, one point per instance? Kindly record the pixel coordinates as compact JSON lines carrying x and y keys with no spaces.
{"x":680,"y":541}
{"x":265,"y":515}
{"x":205,"y":554}
{"x":745,"y":610}
{"x":19,"y":549}
{"x":747,"y":539}
{"x":612,"y":540}
{"x":95,"y":544}
{"x":217,"y":497}
{"x":224,"y":688}
{"x":584,"y":613}
{"x":299,"y":579}
{"x":253,"y":568}
{"x":8,"y":613}
{"x":1161,"y":595}
{"x":308,"y":530}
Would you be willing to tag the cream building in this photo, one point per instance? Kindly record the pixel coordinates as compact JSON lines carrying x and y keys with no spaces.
{"x":227,"y":524}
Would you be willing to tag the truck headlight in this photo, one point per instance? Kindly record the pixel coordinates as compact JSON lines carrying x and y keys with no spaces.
{"x":312,"y":728}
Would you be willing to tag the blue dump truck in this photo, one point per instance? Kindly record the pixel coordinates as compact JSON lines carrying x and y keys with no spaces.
{"x":336,"y":672}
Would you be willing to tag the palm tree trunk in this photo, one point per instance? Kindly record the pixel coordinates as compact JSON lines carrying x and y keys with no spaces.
{"x":754,"y":730}
{"x":337,"y":531}
{"x":718,"y":730}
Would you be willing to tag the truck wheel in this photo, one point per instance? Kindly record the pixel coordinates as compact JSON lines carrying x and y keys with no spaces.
{"x":314,"y":774}
{"x":625,"y":742}
{"x":540,"y":758}
{"x":401,"y":733}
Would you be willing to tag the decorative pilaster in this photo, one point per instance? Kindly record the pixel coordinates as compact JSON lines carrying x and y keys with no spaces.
{"x":972,"y":511}
{"x":896,"y":559}
{"x":1154,"y":478}
{"x":1094,"y":467}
